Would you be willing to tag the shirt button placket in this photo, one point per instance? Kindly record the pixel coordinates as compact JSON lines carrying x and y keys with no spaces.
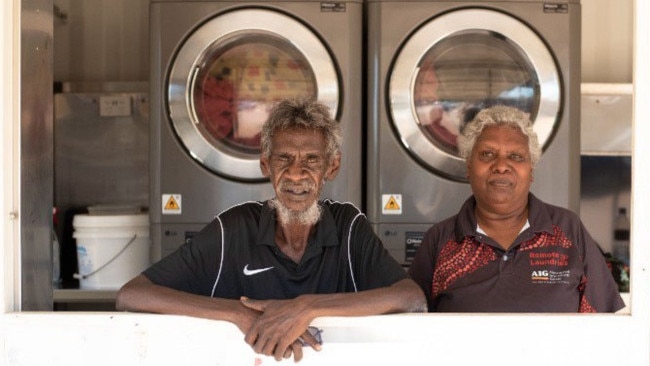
{"x":505,"y":267}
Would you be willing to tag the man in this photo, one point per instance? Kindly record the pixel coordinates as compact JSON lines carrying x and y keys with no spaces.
{"x":272,"y":267}
{"x":506,"y":250}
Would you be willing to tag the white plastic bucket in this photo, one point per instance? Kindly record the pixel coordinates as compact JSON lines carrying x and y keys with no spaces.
{"x":111,"y":249}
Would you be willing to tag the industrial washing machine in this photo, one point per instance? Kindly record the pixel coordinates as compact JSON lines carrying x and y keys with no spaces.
{"x":431,"y":66}
{"x":217,"y":67}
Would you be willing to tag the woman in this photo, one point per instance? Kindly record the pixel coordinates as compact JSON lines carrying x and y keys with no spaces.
{"x":505,"y":250}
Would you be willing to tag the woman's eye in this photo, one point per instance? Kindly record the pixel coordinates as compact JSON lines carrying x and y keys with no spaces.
{"x":486,"y":154}
{"x":517,"y":157}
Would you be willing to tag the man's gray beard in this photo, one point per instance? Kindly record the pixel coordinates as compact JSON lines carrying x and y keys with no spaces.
{"x":310,"y":216}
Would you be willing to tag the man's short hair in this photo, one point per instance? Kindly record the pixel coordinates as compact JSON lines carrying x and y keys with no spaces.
{"x":305,"y":113}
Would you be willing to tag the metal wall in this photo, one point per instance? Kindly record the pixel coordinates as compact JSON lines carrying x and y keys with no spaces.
{"x":101,"y":40}
{"x":100,"y":156}
{"x":36,"y":168}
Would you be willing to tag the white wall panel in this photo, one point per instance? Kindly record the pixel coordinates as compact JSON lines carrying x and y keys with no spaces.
{"x":607,"y":41}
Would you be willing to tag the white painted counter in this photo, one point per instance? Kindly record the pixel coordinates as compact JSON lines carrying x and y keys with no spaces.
{"x":86,"y":339}
{"x":432,"y":339}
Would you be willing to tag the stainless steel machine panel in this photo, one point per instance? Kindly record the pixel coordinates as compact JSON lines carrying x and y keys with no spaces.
{"x":216,"y":69}
{"x":432,"y":66}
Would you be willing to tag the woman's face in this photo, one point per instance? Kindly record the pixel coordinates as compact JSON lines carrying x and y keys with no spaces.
{"x":500,"y":171}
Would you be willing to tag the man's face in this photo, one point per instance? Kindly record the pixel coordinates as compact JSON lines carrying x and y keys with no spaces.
{"x":499,"y":170}
{"x":298,"y":166}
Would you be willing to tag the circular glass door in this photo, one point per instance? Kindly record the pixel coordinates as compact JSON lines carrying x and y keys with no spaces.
{"x":459,"y":63}
{"x":228,"y":75}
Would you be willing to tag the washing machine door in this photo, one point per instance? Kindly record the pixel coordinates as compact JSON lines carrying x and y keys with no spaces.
{"x":230,"y":72}
{"x":458,"y":63}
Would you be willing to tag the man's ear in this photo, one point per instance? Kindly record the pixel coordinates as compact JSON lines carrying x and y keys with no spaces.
{"x":264,"y":166}
{"x":334,"y":167}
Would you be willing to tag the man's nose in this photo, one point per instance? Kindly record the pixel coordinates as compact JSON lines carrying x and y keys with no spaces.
{"x":296,"y":169}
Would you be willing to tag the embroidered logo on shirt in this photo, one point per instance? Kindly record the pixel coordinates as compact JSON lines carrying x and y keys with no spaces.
{"x":540,"y":275}
{"x":250,"y":272}
{"x":548,"y":259}
{"x":549,"y":276}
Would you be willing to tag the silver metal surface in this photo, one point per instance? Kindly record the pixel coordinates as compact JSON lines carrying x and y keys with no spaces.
{"x":83,"y":296}
{"x":498,"y":25}
{"x":100,"y":158}
{"x":330,"y":40}
{"x":36,"y":145}
{"x":549,"y":36}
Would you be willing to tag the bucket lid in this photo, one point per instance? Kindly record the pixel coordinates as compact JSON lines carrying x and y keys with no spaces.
{"x":86,"y":220}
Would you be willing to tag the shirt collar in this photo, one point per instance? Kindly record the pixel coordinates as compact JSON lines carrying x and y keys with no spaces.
{"x":526,"y":226}
{"x":538,"y":215}
{"x":539,"y":219}
{"x":465,"y":220}
{"x":325,"y":234}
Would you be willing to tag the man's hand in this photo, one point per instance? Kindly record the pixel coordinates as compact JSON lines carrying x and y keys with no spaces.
{"x":246,"y":318}
{"x":281,"y":329}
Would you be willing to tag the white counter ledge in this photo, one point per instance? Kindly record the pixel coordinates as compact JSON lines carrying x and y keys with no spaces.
{"x":403,"y":339}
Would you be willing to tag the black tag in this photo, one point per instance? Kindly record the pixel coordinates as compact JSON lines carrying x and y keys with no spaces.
{"x":556,"y":8}
{"x":413,"y":240}
{"x":332,"y":7}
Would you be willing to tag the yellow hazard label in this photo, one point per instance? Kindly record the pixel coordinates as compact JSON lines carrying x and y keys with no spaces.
{"x":391,"y":204}
{"x":171,"y":204}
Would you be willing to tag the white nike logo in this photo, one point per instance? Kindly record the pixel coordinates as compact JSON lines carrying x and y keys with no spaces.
{"x":250,"y":272}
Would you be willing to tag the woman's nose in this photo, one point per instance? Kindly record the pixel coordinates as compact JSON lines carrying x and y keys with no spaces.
{"x":501,"y":164}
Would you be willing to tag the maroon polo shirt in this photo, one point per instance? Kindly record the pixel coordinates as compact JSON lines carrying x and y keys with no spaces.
{"x":554,"y":265}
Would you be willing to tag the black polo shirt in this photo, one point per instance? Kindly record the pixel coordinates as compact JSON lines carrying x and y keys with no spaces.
{"x":553,"y":266}
{"x":236,"y":255}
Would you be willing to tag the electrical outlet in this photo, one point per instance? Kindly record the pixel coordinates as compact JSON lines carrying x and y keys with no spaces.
{"x":114,"y":105}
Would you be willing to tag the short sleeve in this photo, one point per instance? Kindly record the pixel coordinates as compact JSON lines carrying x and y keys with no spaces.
{"x":194,"y":266}
{"x":374,"y":266}
{"x":600,"y":292}
{"x":421,"y":269}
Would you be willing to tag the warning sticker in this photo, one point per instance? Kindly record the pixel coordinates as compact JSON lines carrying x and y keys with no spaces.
{"x":171,"y":204}
{"x":391,"y":204}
